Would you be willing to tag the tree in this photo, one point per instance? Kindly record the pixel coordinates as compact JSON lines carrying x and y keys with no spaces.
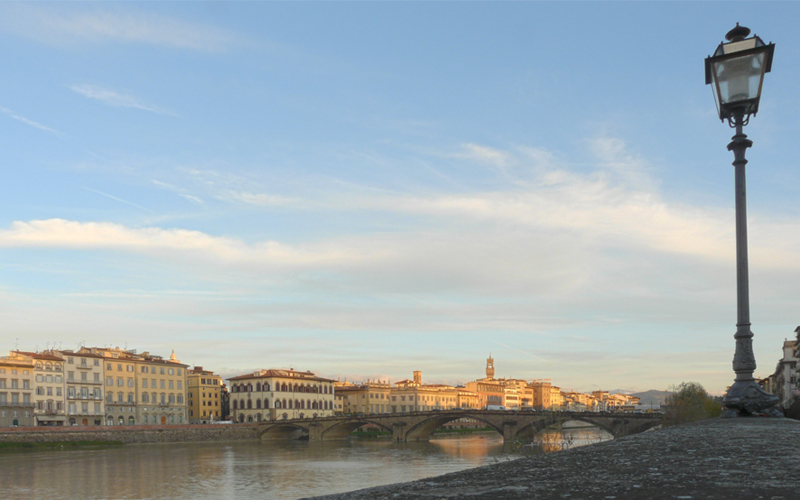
{"x":689,"y":402}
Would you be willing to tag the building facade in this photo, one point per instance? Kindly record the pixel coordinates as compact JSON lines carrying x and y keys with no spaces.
{"x":16,"y":393}
{"x":84,"y":387}
{"x":204,"y":393}
{"x":412,"y":395}
{"x":280,"y":394}
{"x":145,"y":389}
{"x":49,"y":391}
{"x":369,"y":397}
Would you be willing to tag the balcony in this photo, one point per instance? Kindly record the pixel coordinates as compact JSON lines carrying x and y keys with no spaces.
{"x":7,"y":404}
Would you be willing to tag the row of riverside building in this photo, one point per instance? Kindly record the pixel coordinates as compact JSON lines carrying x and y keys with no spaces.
{"x":785,"y":381}
{"x":96,"y":386}
{"x":103,"y":386}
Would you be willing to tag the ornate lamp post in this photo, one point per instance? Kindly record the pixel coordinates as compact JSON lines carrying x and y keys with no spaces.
{"x":736,"y":73}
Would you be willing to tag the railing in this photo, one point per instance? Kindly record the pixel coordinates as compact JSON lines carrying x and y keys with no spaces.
{"x":9,"y":404}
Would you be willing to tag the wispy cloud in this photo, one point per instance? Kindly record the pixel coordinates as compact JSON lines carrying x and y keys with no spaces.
{"x":484,"y":154}
{"x":260,"y":199}
{"x":112,"y":197}
{"x":58,"y":26}
{"x":114,"y":98}
{"x":29,"y":122}
{"x":100,"y":235}
{"x":183,"y":193}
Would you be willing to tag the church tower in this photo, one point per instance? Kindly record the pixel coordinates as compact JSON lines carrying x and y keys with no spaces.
{"x":490,"y":367}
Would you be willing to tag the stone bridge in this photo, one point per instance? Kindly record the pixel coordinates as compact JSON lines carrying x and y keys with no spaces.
{"x":418,"y":426}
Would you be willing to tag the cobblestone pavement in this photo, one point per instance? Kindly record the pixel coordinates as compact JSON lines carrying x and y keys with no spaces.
{"x":745,"y":458}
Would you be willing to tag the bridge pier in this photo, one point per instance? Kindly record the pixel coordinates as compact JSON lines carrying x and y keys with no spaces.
{"x":509,"y":431}
{"x":315,"y":431}
{"x":399,"y":431}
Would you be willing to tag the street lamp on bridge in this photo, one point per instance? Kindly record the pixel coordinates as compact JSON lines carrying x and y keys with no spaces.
{"x":736,"y":72}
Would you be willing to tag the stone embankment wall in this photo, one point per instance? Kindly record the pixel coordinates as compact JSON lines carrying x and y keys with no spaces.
{"x":715,"y":459}
{"x":131,"y":434}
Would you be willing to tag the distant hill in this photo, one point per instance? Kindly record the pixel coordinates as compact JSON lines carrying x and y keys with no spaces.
{"x":651,"y":398}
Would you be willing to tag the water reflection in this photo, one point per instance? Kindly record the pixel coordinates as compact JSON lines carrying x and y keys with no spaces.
{"x":235,"y":470}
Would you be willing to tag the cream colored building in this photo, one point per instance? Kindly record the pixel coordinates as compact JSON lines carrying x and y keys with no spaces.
{"x":412,"y":395}
{"x":369,"y":397}
{"x":84,"y":387}
{"x":49,"y":389}
{"x":280,"y":394}
{"x":467,"y":399}
{"x":16,"y":393}
{"x":203,"y":393}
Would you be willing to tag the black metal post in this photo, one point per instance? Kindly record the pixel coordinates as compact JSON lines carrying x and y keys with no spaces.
{"x":744,"y":397}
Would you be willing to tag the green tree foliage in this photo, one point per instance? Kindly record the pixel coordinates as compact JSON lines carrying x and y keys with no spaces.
{"x":689,"y":402}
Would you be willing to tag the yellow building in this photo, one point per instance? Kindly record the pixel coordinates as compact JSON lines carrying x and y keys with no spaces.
{"x":16,"y":393}
{"x":546,"y":396}
{"x":280,"y":394}
{"x":203,"y":393}
{"x":152,"y":390}
{"x":121,"y":390}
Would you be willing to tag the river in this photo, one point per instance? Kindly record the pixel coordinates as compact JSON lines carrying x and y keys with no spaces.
{"x":240,"y":470}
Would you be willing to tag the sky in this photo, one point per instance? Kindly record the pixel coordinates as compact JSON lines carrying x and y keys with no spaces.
{"x":365,"y":189}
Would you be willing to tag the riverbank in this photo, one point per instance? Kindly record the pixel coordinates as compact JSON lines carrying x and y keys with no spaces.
{"x":130,"y":434}
{"x":715,"y":459}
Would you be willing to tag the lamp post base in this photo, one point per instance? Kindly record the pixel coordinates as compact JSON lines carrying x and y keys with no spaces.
{"x":746,"y":398}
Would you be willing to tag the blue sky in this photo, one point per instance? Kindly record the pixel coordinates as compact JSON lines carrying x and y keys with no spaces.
{"x":367,"y":189}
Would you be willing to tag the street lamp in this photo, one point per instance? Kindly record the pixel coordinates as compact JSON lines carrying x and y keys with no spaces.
{"x":736,"y":73}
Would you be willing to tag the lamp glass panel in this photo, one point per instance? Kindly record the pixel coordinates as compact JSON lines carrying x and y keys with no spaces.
{"x":729,"y":48}
{"x":739,"y":78}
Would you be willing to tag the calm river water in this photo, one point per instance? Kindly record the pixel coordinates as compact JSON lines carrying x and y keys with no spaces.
{"x":246,"y":470}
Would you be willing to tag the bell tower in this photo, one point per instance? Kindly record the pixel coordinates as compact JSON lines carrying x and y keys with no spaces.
{"x":490,"y":367}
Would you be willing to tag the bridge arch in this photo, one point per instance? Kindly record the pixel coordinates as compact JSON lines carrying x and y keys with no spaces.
{"x":283,"y":430}
{"x":341,"y":430}
{"x":423,"y":429}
